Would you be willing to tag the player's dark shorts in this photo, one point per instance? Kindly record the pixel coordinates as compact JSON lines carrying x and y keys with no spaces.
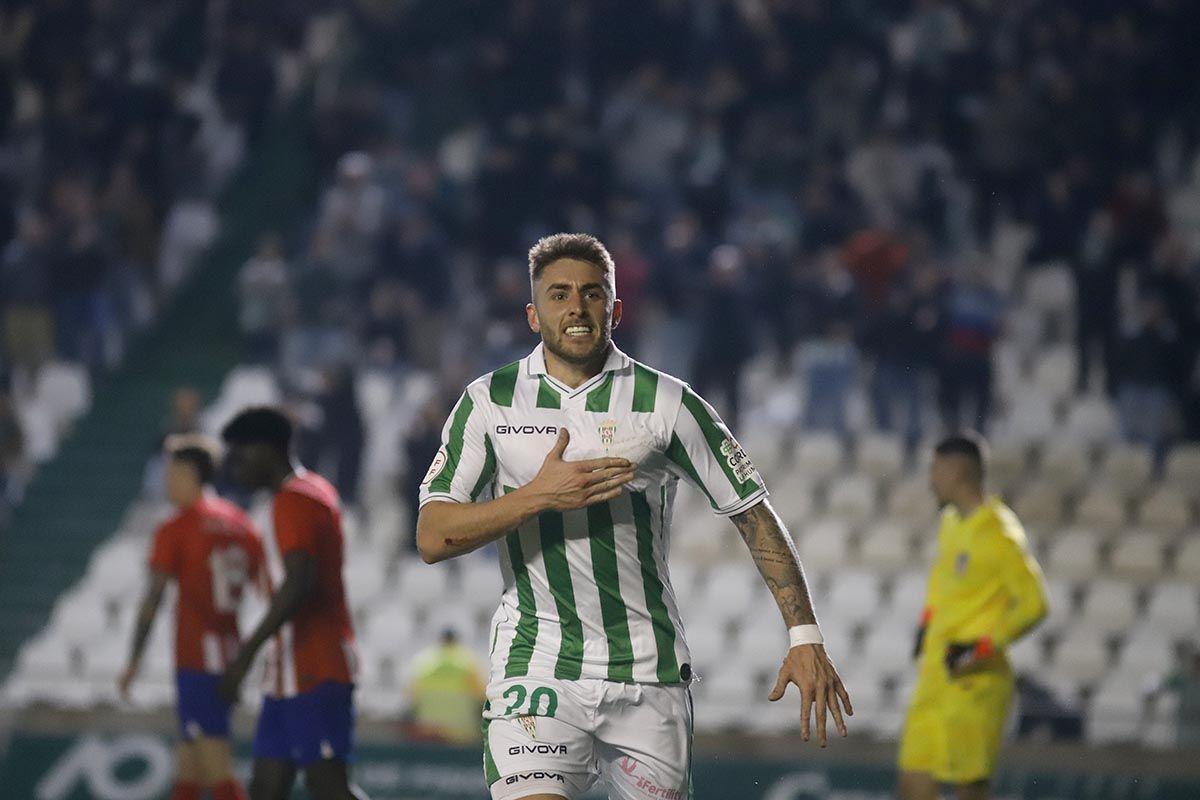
{"x":201,"y":710}
{"x":312,"y":726}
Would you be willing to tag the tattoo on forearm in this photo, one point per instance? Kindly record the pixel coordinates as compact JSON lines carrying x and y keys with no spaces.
{"x":777,"y":562}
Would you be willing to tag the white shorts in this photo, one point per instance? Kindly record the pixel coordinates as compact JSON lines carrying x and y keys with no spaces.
{"x":546,"y":736}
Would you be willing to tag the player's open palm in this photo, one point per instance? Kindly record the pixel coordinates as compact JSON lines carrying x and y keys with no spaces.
{"x":568,"y":485}
{"x":808,"y":666}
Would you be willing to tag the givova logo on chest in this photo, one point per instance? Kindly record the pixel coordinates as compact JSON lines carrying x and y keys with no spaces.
{"x":517,"y":430}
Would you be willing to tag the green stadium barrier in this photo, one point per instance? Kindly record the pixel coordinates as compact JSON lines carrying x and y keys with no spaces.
{"x":135,"y":766}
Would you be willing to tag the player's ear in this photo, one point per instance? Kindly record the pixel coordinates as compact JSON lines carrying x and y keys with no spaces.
{"x":531,"y":317}
{"x":616,"y":312}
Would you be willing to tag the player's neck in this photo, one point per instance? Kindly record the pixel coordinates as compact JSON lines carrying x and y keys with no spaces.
{"x":572,"y":374}
{"x":968,"y":501}
{"x":282,"y":473}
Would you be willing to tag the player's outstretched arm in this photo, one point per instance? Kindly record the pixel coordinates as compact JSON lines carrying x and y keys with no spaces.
{"x":447,"y":529}
{"x":141,"y":632}
{"x":300,"y":576}
{"x":806,"y":665}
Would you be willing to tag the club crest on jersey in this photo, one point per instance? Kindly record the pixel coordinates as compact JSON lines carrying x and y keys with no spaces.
{"x":608,"y":431}
{"x":530,"y":725}
{"x":736,"y":459}
{"x":439,"y":461}
{"x":960,"y":563}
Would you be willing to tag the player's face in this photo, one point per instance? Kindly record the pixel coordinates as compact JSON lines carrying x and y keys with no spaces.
{"x":574,"y":311}
{"x":182,"y":483}
{"x":943,"y":473}
{"x":250,"y":464}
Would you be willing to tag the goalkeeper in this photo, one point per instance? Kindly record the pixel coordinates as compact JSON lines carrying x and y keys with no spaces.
{"x":985,"y":591}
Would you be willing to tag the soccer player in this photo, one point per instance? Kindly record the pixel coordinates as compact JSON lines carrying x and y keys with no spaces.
{"x":209,"y":548}
{"x":569,"y":460}
{"x":307,"y":717}
{"x":985,"y":592}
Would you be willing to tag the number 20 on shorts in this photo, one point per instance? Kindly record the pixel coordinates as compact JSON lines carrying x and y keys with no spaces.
{"x":516,"y":695}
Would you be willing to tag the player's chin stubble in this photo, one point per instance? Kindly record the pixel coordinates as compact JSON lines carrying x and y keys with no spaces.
{"x":555,"y":345}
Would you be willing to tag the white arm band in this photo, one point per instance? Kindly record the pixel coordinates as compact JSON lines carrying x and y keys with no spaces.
{"x":805,"y":634}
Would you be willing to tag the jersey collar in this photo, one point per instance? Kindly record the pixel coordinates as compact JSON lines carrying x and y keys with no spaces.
{"x":535,"y":365}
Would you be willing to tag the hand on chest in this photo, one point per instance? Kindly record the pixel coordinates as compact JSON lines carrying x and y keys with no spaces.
{"x":523,"y":438}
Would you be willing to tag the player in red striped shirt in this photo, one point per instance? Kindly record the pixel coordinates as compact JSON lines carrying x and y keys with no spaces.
{"x":209,"y":548}
{"x":307,"y":717}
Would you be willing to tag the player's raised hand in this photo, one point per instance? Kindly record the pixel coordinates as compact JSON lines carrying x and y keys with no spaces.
{"x":566,"y":485}
{"x":809,"y":667}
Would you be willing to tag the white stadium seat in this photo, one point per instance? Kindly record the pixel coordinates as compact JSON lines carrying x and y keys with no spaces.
{"x":823,"y":543}
{"x":1056,"y":371}
{"x":1060,"y":595}
{"x":1183,"y":468}
{"x":880,"y":455}
{"x":64,"y":389}
{"x":1091,"y":419}
{"x":1064,"y":464}
{"x":1008,"y":462}
{"x":1146,"y":652}
{"x":887,"y":547}
{"x":911,"y":501}
{"x":1080,"y":657}
{"x":1040,"y":505}
{"x":1174,"y":608}
{"x":1030,"y":418}
{"x":854,"y":595}
{"x":792,"y":496}
{"x":1050,"y":288}
{"x":1102,"y":507}
{"x":1138,"y":556}
{"x":853,"y":498}
{"x":1127,"y":467}
{"x":1074,"y":554}
{"x":1109,"y":607}
{"x":1115,"y":714}
{"x":1187,"y":560}
{"x":819,"y":455}
{"x":1165,"y":509}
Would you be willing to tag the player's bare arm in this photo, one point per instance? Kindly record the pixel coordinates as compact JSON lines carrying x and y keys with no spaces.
{"x":447,"y":529}
{"x":300,"y":577}
{"x":807,"y":665}
{"x":148,"y":610}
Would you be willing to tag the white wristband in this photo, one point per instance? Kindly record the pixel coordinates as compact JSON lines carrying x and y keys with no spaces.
{"x":805,"y":634}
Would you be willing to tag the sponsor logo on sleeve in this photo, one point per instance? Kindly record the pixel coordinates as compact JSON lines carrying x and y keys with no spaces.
{"x":439,"y":461}
{"x":737,"y":459}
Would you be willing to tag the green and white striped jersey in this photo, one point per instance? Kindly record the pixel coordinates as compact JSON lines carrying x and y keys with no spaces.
{"x":587,"y":592}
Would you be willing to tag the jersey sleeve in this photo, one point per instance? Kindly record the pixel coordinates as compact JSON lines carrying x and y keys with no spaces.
{"x":465,"y":464}
{"x":164,"y":555}
{"x":298,"y":521}
{"x":703,"y":452}
{"x":1025,"y":585}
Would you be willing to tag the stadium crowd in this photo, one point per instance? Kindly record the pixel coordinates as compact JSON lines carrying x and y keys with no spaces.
{"x":821,"y":182}
{"x":120,"y":123}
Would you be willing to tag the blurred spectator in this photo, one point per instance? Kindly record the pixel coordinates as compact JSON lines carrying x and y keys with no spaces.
{"x":446,"y":692}
{"x":25,"y":293}
{"x":338,"y":439}
{"x":972,"y":319}
{"x":901,"y":341}
{"x":182,"y":418}
{"x":726,"y":321}
{"x":350,"y":225}
{"x":1150,"y":353}
{"x":829,"y":365}
{"x":264,"y":288}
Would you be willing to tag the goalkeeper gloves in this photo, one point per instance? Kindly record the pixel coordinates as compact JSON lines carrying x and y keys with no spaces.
{"x":919,"y":642}
{"x":964,"y":655}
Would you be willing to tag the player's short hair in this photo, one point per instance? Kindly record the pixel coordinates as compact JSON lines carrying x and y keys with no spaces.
{"x":260,"y":425}
{"x":199,"y":451}
{"x":969,"y":445}
{"x":576,"y":246}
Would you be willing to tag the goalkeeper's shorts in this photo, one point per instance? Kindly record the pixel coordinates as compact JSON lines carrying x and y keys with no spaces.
{"x":954,"y":727}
